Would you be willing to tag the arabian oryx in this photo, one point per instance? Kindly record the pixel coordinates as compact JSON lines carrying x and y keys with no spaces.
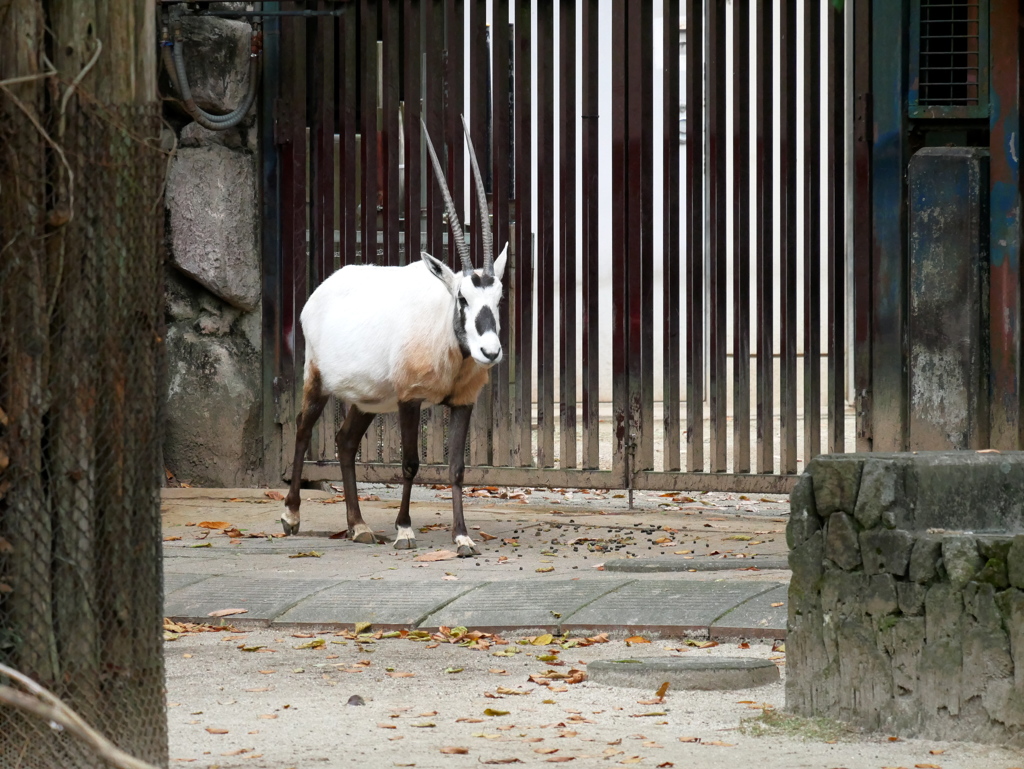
{"x":386,"y":339}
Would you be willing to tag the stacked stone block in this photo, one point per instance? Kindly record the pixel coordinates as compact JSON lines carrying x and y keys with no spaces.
{"x":906,"y":608}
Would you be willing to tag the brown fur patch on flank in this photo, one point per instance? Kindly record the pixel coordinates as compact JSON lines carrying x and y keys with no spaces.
{"x":312,"y":388}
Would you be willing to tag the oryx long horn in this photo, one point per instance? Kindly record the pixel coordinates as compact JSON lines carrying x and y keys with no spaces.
{"x":481,"y":196}
{"x":449,"y":204}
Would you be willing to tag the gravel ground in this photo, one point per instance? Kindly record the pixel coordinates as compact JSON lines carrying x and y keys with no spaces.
{"x":280,"y":706}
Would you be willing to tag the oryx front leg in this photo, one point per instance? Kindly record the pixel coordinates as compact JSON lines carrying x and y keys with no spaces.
{"x":313,"y":402}
{"x":351,"y":432}
{"x":409,"y":422}
{"x":458,"y":429}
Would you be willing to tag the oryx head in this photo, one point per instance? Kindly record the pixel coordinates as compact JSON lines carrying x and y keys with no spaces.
{"x":477,"y":292}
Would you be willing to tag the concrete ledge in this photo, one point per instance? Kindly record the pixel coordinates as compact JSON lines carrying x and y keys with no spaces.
{"x":906,"y":604}
{"x":707,"y":674}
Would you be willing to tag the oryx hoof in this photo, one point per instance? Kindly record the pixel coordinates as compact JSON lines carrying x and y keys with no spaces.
{"x":363,"y":538}
{"x":405,"y":544}
{"x":290,"y":529}
{"x":465,"y":551}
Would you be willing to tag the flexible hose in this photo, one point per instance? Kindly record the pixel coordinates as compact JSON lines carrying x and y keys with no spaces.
{"x":173,"y":56}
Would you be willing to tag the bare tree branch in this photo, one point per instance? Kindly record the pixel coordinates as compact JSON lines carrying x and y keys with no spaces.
{"x":44,"y":705}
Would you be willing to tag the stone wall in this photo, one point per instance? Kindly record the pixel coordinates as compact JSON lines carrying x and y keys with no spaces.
{"x":214,"y":388}
{"x":906,"y":606}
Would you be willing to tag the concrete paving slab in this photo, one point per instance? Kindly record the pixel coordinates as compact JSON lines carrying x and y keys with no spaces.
{"x":690,"y":673}
{"x":533,"y":604}
{"x":176,"y":581}
{"x":388,"y":605}
{"x":264,"y":597}
{"x":669,"y":608}
{"x":756,"y":617}
{"x":648,"y":565}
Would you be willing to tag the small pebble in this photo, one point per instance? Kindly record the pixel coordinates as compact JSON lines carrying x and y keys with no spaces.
{"x":355,"y":700}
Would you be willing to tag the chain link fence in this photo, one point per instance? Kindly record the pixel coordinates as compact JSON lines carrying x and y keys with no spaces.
{"x":81,"y":366}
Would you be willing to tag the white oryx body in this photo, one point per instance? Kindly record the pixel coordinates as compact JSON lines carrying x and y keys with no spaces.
{"x":383,"y":339}
{"x":379,"y":336}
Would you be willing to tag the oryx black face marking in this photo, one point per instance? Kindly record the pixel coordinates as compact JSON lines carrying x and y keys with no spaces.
{"x":482,"y":281}
{"x":459,"y":325}
{"x":485,"y":321}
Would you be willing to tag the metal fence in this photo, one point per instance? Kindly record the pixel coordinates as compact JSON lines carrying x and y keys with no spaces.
{"x":727,"y":292}
{"x":81,"y":360}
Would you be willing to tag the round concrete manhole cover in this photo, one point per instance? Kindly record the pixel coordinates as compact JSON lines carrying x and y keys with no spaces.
{"x":684,"y":673}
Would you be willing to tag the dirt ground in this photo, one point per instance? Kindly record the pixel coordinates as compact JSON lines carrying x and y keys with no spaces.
{"x":282,"y":706}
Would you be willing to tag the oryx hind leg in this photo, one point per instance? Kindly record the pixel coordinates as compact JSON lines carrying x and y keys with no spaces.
{"x":313,"y":401}
{"x":351,"y":432}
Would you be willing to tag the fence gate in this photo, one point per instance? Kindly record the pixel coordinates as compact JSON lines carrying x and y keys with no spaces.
{"x":670,"y":177}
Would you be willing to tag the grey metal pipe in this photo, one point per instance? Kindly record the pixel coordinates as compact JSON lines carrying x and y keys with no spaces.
{"x":173,"y":57}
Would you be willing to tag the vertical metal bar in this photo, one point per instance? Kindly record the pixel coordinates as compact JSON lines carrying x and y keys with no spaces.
{"x":718,"y":203}
{"x":371,"y":168}
{"x":480,"y":427}
{"x":590,"y":229}
{"x":889,"y":227}
{"x":741,"y":235}
{"x":545,"y":235}
{"x":670,"y":238}
{"x":836,"y":133}
{"x":391,"y":52}
{"x":522,"y":452}
{"x":368,"y":129}
{"x":302,"y":254}
{"x":433,"y":107}
{"x":620,"y":235}
{"x":346,"y":171}
{"x":321,"y":184}
{"x":501,"y":64}
{"x":645,"y":279}
{"x":270,"y":196}
{"x":348,"y":87}
{"x":454,"y":73}
{"x":411,"y":110}
{"x":695,"y":235}
{"x":812,"y":229}
{"x":1005,"y":237}
{"x":863,"y":294}
{"x":788,"y":182}
{"x":764,"y":55}
{"x":390,"y":68}
{"x":567,"y":228}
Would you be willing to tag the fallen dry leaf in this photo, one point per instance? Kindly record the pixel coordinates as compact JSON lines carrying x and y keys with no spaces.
{"x":386,"y":726}
{"x":545,"y":751}
{"x":237,"y":752}
{"x":227,"y":612}
{"x":269,"y":716}
{"x":400,"y":674}
{"x":274,"y":494}
{"x":927,"y":766}
{"x":717,"y":742}
{"x":437,"y":555}
{"x":637,"y":639}
{"x":689,"y":739}
{"x":216,"y":730}
{"x":214,"y":525}
{"x":660,"y":694}
{"x":559,"y":759}
{"x":452,"y":750}
{"x":467,"y":720}
{"x":776,"y":605}
{"x":487,"y":538}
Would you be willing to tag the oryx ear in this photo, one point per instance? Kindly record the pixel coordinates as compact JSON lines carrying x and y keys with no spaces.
{"x":499,"y":263}
{"x":441,"y":271}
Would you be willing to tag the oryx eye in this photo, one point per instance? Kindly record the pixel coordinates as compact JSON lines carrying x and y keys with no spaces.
{"x":462,"y":301}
